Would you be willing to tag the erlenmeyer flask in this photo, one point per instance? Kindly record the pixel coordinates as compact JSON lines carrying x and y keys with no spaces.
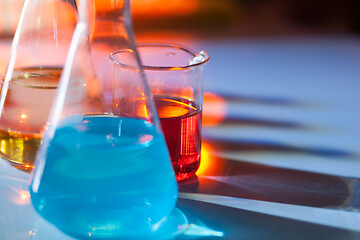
{"x":29,"y":84}
{"x":103,"y":172}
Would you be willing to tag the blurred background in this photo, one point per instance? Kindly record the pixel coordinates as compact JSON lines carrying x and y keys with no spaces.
{"x":181,"y":21}
{"x":191,"y":22}
{"x":247,"y":18}
{"x":227,"y":18}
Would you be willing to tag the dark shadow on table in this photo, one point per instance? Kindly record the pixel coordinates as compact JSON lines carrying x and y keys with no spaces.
{"x":239,"y":179}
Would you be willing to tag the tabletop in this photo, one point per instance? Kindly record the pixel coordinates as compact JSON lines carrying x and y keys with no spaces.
{"x":281,"y":146}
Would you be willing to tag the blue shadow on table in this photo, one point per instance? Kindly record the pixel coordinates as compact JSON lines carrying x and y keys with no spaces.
{"x":267,"y":100}
{"x":258,"y":146}
{"x":217,"y":111}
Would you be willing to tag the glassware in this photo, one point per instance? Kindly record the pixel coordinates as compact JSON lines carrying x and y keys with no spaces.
{"x":9,"y":16}
{"x":103,"y":171}
{"x":175,"y":76}
{"x":29,"y":84}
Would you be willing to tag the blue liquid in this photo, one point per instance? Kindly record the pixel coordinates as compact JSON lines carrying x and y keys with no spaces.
{"x":105,"y":176}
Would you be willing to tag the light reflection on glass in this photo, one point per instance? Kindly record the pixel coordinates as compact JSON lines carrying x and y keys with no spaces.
{"x":201,"y":231}
{"x":3,"y":146}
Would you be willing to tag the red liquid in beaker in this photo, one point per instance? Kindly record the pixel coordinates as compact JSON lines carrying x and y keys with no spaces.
{"x":181,"y":123}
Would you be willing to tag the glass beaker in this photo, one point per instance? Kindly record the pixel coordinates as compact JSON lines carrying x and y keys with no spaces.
{"x":101,"y":172}
{"x":29,"y":83}
{"x":175,"y":76}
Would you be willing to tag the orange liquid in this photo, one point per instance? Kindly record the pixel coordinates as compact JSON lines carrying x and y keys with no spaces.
{"x":26,"y":109}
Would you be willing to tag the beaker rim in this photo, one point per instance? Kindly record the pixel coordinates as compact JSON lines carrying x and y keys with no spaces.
{"x":204,"y":54}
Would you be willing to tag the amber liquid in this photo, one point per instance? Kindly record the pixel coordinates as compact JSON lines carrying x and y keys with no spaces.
{"x":26,"y":109}
{"x":181,"y":123}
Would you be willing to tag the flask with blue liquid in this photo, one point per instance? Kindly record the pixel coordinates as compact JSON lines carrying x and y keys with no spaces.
{"x":103,"y":168}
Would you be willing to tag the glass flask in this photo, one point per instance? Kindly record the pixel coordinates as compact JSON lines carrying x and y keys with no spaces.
{"x":30,"y":80}
{"x":103,"y":169}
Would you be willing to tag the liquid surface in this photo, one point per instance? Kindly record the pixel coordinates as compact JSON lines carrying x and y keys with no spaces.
{"x":181,"y":123}
{"x":26,"y":109}
{"x":105,"y":176}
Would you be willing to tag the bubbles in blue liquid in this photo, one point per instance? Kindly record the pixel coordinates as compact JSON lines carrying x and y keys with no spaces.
{"x":105,"y":177}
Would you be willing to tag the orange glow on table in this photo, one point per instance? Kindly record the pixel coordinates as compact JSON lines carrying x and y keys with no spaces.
{"x":210,"y":164}
{"x":214,"y":109}
{"x":205,"y":163}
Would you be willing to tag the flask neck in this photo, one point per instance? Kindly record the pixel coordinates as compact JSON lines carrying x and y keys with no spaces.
{"x":110,"y":21}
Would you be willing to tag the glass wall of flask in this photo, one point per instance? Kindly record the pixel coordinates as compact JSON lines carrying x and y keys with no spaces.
{"x":103,"y":168}
{"x":29,"y":84}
